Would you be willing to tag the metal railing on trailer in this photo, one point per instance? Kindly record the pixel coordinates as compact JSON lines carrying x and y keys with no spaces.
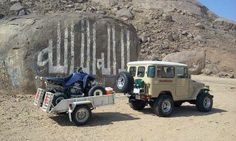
{"x":78,"y":109}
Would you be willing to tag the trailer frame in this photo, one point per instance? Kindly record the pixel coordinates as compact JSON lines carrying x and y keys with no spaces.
{"x":78,"y":109}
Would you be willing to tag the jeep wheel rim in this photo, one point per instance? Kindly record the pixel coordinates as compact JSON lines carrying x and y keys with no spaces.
{"x":166,"y":106}
{"x":207,"y":102}
{"x":82,"y":115}
{"x":121,"y":82}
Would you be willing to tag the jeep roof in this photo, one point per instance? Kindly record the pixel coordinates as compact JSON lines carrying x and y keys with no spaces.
{"x":156,"y":63}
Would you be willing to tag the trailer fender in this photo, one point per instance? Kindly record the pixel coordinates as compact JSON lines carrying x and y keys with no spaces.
{"x":73,"y":105}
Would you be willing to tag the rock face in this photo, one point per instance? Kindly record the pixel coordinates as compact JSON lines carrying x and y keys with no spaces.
{"x":124,"y":14}
{"x":108,"y":3}
{"x":194,"y":59}
{"x":16,"y":7}
{"x":54,"y":45}
{"x":190,"y":6}
{"x":225,"y":24}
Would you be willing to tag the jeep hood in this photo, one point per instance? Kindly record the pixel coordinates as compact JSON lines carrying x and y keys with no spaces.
{"x":198,"y":85}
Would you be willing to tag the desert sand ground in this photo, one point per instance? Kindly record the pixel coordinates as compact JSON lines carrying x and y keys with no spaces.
{"x":20,"y":120}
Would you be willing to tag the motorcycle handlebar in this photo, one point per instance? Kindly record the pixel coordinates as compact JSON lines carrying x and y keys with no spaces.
{"x":79,"y":69}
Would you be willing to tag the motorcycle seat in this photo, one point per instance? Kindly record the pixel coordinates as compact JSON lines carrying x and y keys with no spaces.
{"x":59,"y":80}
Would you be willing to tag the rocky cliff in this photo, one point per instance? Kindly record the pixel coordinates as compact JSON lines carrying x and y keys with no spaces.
{"x":177,"y":30}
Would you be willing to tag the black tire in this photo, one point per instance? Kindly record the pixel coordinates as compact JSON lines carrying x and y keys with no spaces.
{"x":151,"y":103}
{"x":88,"y":86}
{"x":204,"y":102}
{"x":96,"y":90}
{"x":163,"y":106}
{"x":136,"y":104}
{"x":124,"y":82}
{"x":81,"y":115}
{"x":58,"y":97}
{"x":178,"y":103}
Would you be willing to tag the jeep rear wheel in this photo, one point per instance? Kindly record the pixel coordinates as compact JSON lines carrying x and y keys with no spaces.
{"x":125,"y":82}
{"x":163,"y":106}
{"x":136,"y":104}
{"x":204,"y":102}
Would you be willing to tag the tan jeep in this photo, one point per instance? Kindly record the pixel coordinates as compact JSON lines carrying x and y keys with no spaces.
{"x":162,"y":85}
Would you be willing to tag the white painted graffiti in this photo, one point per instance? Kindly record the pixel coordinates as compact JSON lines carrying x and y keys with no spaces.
{"x":88,"y":50}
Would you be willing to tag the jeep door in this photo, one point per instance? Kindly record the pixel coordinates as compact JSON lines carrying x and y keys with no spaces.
{"x":182,"y":82}
{"x":164,"y":80}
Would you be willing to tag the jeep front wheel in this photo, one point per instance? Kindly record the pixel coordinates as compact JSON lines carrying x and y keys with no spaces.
{"x":136,"y":104}
{"x":204,"y":102}
{"x":163,"y":106}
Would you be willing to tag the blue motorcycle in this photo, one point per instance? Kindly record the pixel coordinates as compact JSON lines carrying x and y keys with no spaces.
{"x":77,"y":84}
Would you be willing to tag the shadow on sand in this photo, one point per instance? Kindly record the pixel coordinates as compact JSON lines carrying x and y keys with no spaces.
{"x":107,"y":118}
{"x":186,"y":111}
{"x":97,"y":119}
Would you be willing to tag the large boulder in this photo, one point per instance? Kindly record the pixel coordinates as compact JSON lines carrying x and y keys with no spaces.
{"x":194,"y":59}
{"x":54,"y":45}
{"x":124,"y":14}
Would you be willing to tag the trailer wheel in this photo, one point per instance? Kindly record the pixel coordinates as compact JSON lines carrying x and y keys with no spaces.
{"x":58,"y":97}
{"x":81,"y":115}
{"x":96,"y":91}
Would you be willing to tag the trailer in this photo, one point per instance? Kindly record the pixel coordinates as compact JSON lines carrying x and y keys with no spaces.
{"x":79,"y":109}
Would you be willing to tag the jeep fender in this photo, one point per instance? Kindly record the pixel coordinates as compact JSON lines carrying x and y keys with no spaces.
{"x":198,"y":91}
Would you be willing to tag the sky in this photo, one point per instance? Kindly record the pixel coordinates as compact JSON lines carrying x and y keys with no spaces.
{"x":223,"y":8}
